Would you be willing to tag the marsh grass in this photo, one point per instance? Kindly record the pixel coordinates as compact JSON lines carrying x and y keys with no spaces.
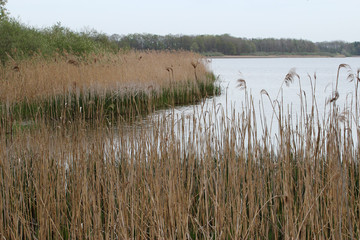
{"x":101,"y":87}
{"x":178,"y":178}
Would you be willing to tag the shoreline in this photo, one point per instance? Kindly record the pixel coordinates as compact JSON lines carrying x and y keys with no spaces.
{"x":277,"y":56}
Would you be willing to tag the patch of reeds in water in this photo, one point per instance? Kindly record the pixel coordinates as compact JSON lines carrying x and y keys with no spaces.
{"x":101,"y":88}
{"x":179,"y":179}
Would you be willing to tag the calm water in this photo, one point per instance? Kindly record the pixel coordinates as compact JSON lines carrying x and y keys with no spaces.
{"x":269,"y":74}
{"x":197,"y":125}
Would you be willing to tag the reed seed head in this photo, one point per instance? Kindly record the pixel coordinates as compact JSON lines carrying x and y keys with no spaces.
{"x":289,"y":78}
{"x":241,"y":84}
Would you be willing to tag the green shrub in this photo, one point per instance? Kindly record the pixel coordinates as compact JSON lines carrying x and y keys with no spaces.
{"x":21,"y":41}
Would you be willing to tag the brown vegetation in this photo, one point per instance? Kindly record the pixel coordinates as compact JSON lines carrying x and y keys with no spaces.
{"x":39,"y":77}
{"x":180,"y":179}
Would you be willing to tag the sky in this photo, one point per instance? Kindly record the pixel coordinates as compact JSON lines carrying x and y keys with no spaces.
{"x":315,"y":20}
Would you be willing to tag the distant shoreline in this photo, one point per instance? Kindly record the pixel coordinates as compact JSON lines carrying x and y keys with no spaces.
{"x":277,"y":56}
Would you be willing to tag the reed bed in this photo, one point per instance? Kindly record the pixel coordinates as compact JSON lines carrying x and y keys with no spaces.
{"x":186,"y":177}
{"x":131,"y":83}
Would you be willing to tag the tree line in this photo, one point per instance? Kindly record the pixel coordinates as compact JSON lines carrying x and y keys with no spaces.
{"x":228,"y":45}
{"x":19,"y":40}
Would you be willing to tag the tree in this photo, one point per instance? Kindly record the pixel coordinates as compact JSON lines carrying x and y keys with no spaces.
{"x":3,"y":10}
{"x":194,"y":47}
{"x":355,"y":48}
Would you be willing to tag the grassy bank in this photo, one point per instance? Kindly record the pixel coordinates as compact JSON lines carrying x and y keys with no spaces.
{"x":176,"y":178}
{"x":103,"y":87}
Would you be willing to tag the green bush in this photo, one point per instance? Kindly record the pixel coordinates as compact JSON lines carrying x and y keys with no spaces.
{"x":19,"y":41}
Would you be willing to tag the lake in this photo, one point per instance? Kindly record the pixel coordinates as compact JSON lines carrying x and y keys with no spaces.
{"x":268,"y":74}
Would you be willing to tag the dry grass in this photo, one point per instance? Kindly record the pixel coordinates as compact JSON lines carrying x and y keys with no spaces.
{"x":100,"y":87}
{"x":39,"y":78}
{"x":178,"y":179}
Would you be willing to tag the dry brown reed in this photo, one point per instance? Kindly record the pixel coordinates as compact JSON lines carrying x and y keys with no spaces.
{"x":40,"y":78}
{"x":178,"y":179}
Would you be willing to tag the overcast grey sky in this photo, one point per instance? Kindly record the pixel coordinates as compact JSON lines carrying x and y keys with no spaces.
{"x":316,"y":20}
